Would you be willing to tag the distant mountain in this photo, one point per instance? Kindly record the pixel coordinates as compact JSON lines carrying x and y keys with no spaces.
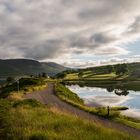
{"x":20,"y":67}
{"x":53,"y":68}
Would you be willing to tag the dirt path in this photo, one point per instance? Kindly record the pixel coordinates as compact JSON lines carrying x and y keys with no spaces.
{"x":48,"y":97}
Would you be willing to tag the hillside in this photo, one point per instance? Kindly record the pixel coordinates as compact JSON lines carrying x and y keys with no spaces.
{"x":53,"y":68}
{"x":20,"y":67}
{"x":133,"y":68}
{"x":129,"y":71}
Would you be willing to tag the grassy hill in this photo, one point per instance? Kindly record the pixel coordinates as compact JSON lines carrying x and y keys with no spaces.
{"x":20,"y":67}
{"x":109,"y":72}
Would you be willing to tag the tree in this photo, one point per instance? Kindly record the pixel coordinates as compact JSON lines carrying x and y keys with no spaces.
{"x":44,"y":75}
{"x":80,"y":74}
{"x":61,"y":75}
{"x":110,"y":68}
{"x":121,"y":69}
{"x":10,"y":79}
{"x":39,"y":75}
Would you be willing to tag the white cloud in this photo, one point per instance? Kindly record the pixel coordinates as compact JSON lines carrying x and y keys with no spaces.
{"x":77,"y":63}
{"x":41,"y":29}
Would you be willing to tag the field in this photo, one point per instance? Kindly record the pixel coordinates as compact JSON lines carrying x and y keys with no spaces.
{"x":89,"y":75}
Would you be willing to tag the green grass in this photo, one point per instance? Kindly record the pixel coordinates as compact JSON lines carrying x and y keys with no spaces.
{"x":72,"y":76}
{"x":64,"y":92}
{"x":27,"y":122}
{"x":91,"y":75}
{"x":103,"y":76}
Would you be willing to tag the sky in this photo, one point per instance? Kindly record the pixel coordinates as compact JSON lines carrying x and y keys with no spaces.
{"x":75,"y":33}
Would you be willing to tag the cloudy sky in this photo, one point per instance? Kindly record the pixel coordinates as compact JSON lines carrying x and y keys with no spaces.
{"x":71,"y":32}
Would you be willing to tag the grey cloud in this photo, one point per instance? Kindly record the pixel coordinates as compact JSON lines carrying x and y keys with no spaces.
{"x":50,"y":48}
{"x":41,"y":29}
{"x":102,"y":38}
{"x":106,"y":9}
{"x":135,"y":26}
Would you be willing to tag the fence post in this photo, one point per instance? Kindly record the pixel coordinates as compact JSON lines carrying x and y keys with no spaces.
{"x":108,"y":111}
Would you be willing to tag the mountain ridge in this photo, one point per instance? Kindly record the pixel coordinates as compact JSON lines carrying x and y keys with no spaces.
{"x":20,"y":67}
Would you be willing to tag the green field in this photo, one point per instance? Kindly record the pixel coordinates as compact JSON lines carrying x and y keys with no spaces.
{"x":91,"y":75}
{"x":119,"y":72}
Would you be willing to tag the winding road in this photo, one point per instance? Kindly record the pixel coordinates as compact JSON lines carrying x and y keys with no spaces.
{"x":48,"y":97}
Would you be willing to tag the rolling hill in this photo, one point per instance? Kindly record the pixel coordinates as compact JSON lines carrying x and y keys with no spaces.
{"x":129,"y":71}
{"x":20,"y":67}
{"x":133,"y":69}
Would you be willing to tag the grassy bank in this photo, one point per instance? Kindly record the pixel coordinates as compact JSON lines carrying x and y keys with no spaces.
{"x":68,"y":96}
{"x":29,"y":120}
{"x":65,"y":94}
{"x":26,"y":85}
{"x":114,"y":113}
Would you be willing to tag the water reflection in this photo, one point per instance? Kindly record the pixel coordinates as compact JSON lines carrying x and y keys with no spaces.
{"x":119,"y":92}
{"x":110,"y":89}
{"x":122,"y":87}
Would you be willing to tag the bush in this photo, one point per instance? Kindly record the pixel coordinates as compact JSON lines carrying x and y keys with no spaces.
{"x":23,"y":83}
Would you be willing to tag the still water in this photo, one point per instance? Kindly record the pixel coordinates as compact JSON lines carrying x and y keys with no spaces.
{"x":105,"y":97}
